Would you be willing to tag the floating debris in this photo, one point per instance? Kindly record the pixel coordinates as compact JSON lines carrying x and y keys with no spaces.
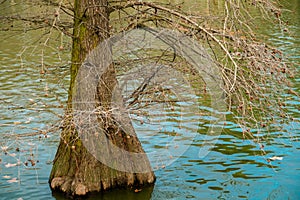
{"x":17,"y":123}
{"x":10,"y":165}
{"x":276,"y":158}
{"x":137,"y":190}
{"x":13,"y":155}
{"x":4,"y":148}
{"x":13,"y":180}
{"x":32,"y":162}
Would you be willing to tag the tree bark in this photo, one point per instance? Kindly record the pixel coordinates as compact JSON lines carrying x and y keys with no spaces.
{"x":76,"y":170}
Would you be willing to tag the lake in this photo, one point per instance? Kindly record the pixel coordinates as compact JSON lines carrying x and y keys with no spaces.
{"x":32,"y":95}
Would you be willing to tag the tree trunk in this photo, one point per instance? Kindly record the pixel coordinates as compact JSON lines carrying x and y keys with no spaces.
{"x":76,"y":170}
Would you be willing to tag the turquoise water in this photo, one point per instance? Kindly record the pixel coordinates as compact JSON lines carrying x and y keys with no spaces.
{"x":235,"y":168}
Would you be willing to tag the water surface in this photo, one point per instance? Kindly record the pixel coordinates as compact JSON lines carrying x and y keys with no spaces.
{"x":32,"y":95}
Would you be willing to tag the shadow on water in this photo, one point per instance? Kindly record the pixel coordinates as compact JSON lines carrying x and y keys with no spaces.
{"x":117,"y":194}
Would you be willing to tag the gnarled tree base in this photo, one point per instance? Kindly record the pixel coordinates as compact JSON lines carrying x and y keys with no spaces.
{"x":76,"y":172}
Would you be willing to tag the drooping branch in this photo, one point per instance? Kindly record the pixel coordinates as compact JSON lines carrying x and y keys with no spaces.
{"x":250,"y":68}
{"x":194,"y":24}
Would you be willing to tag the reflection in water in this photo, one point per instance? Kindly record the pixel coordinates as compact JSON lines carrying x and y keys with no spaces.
{"x":134,"y":194}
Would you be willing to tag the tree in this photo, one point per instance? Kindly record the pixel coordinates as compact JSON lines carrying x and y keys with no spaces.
{"x":75,"y":169}
{"x":254,"y":74}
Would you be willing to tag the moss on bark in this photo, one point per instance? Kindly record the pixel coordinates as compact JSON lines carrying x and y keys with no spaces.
{"x":75,"y":170}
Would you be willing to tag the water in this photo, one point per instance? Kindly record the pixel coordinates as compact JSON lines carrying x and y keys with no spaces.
{"x":32,"y":96}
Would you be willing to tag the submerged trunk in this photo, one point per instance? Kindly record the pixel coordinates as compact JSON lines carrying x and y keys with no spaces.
{"x":77,"y":169}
